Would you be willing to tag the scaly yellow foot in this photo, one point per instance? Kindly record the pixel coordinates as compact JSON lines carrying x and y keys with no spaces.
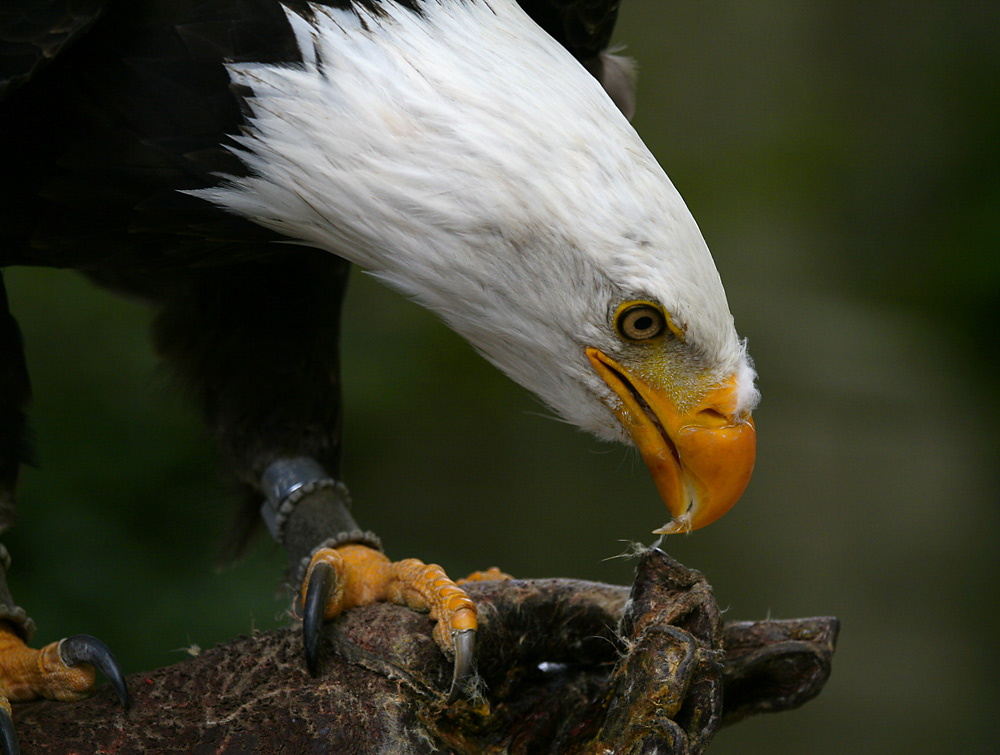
{"x":63,"y":670}
{"x":354,"y":575}
{"x":493,"y":574}
{"x":27,"y":674}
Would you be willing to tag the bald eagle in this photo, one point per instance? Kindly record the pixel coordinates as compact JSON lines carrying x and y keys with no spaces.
{"x":229,"y":160}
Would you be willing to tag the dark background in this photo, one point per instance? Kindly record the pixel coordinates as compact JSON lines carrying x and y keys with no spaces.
{"x":842,"y":160}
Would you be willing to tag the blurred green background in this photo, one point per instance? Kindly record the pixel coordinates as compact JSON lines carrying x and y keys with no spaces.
{"x":843,"y":161}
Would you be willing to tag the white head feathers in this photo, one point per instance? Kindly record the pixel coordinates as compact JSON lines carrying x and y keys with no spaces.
{"x":466,"y":158}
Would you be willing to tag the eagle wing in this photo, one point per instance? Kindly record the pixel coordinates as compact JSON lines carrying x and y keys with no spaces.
{"x":33,"y":34}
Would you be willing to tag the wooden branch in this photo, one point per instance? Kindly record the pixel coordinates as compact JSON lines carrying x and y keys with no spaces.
{"x":567,"y":667}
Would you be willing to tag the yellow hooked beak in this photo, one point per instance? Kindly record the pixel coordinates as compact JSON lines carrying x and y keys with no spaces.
{"x":700,"y":458}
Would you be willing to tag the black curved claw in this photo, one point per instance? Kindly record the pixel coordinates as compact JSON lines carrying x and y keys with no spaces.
{"x":8,"y":737}
{"x":83,"y":648}
{"x":321,"y":582}
{"x":465,"y":661}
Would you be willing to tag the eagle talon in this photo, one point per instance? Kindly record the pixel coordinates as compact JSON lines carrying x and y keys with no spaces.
{"x":84,"y":648}
{"x":8,"y":737}
{"x":321,"y":582}
{"x":465,"y":657}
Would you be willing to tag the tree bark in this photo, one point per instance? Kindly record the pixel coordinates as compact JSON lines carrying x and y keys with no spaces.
{"x":566,"y":667}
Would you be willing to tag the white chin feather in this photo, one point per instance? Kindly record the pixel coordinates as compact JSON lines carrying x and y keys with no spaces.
{"x":747,"y":393}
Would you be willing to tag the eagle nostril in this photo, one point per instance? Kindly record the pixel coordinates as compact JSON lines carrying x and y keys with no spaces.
{"x":713,"y":417}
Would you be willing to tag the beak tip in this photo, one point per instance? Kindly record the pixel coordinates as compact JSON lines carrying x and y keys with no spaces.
{"x":676,"y":526}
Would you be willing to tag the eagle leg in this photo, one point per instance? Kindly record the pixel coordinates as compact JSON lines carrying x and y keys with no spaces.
{"x":354,"y":575}
{"x":63,"y":670}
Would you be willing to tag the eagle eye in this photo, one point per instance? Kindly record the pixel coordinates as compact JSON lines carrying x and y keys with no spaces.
{"x":640,"y":321}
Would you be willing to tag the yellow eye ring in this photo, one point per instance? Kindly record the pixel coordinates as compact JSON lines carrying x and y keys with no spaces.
{"x":637,"y":321}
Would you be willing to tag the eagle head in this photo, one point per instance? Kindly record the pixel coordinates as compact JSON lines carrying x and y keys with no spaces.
{"x":461,"y":155}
